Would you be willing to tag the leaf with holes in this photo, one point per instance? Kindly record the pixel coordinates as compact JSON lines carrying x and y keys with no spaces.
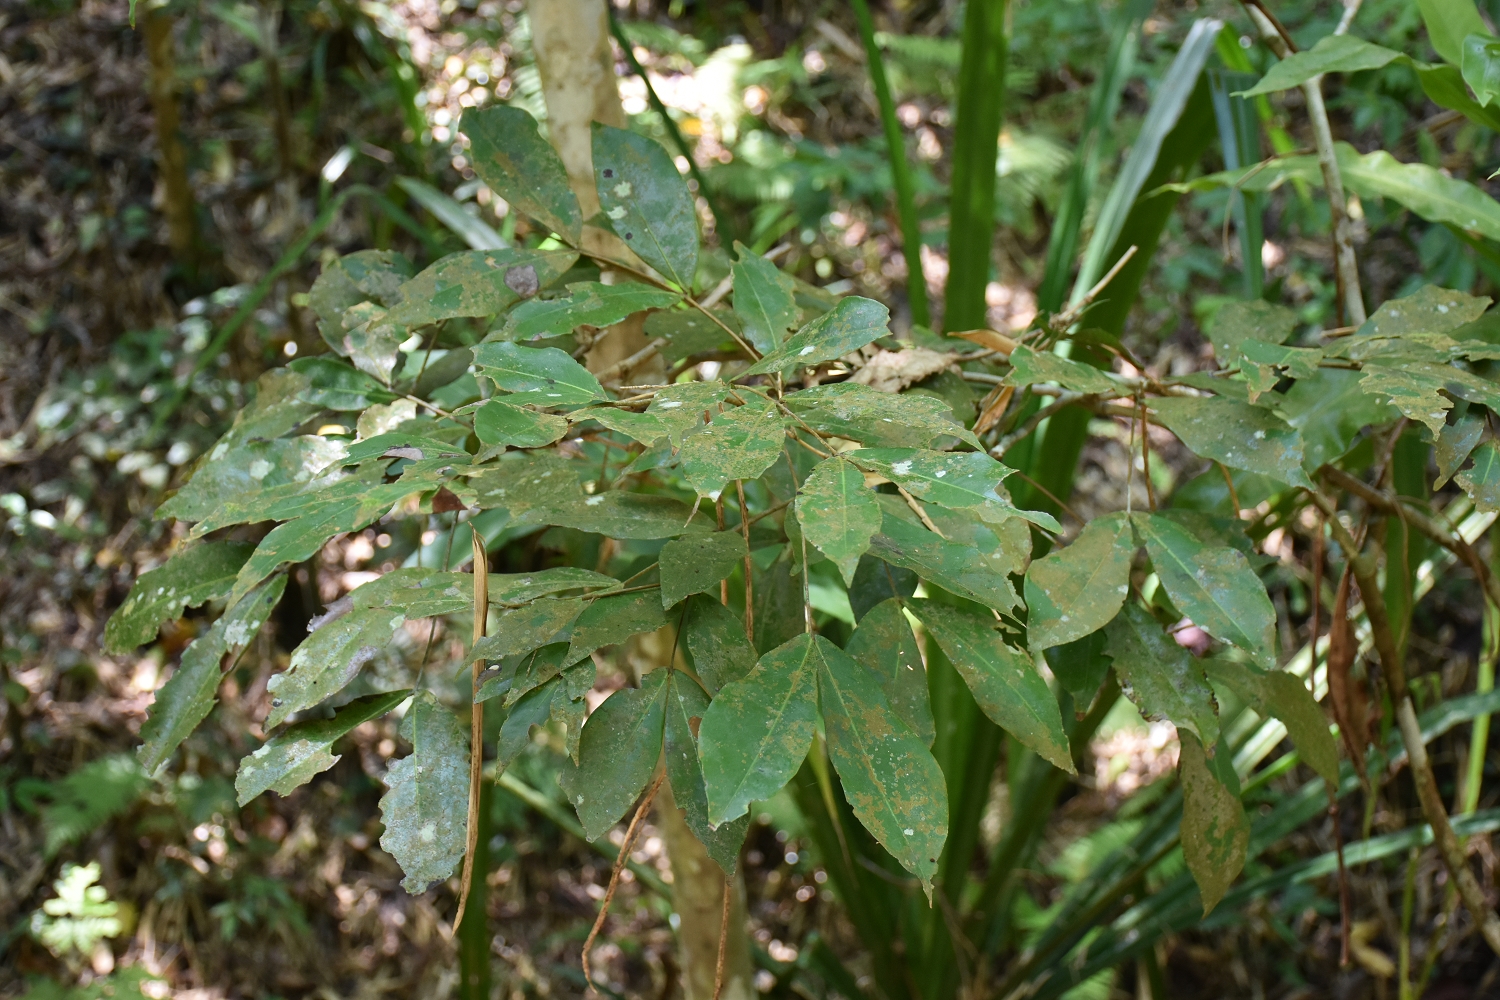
{"x":1076,"y":590}
{"x":1215,"y":832}
{"x":188,"y":695}
{"x":757,"y":729}
{"x":762,"y":300}
{"x":838,"y":513}
{"x":890,"y":779}
{"x":202,"y":572}
{"x":740,"y":443}
{"x":477,"y":283}
{"x":426,"y":807}
{"x":1161,"y":677}
{"x":545,"y":376}
{"x":291,"y":758}
{"x":647,"y":202}
{"x":329,"y":659}
{"x":511,"y":157}
{"x":697,"y":563}
{"x":885,"y":645}
{"x":845,"y":328}
{"x":1004,"y":681}
{"x":621,"y":743}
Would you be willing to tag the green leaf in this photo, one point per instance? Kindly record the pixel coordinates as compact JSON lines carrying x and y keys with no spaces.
{"x":876,"y":580}
{"x":1332,"y":54}
{"x":740,"y":443}
{"x":242,"y":471}
{"x":401,"y":444}
{"x":588,"y":303}
{"x":622,"y":741}
{"x":523,"y":588}
{"x":879,"y":419}
{"x":618,"y":514}
{"x":1214,"y":586}
{"x":890,"y":779}
{"x":1076,"y":590}
{"x":198,"y":573}
{"x":522,"y":629}
{"x":1414,"y":388}
{"x":885,"y":645}
{"x":1455,"y":442}
{"x":1430,"y":309}
{"x":1448,"y":23}
{"x":511,"y":157}
{"x":416,"y":593}
{"x":695,"y":564}
{"x":716,"y":640}
{"x":188,"y":695}
{"x":334,"y":385}
{"x":847,"y":327}
{"x":762,"y":300}
{"x":838,"y":513}
{"x":291,"y":758}
{"x":288,"y":501}
{"x":1162,"y":678}
{"x":368,"y":275}
{"x":547,"y":376}
{"x":963,"y":568}
{"x":1028,"y":367}
{"x":1264,"y":365}
{"x":1328,"y":411}
{"x":1238,"y":323}
{"x":967,"y":480}
{"x":676,"y":410}
{"x":1481,"y":67}
{"x":1482,"y":480}
{"x":685,"y":772}
{"x":609,"y":621}
{"x":688,"y":332}
{"x":1004,"y":681}
{"x":372,"y":342}
{"x":501,"y":423}
{"x":329,"y":659}
{"x":1215,"y":832}
{"x":466,"y":225}
{"x":477,"y":283}
{"x":1278,"y":694}
{"x":757,"y":729}
{"x":1080,"y":667}
{"x":647,"y":202}
{"x":302,"y":537}
{"x":1239,"y":435}
{"x":426,"y":810}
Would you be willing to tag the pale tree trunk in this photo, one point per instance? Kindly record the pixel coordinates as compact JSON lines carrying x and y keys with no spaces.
{"x":698,"y":894}
{"x":577,"y":66}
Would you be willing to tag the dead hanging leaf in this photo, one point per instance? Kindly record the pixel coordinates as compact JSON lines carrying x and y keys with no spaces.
{"x":892,"y":371}
{"x":445,"y":501}
{"x":993,"y":407}
{"x":988,"y":338}
{"x":1348,"y":694}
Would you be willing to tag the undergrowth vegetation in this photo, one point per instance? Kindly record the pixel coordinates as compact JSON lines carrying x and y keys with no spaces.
{"x":978,"y":503}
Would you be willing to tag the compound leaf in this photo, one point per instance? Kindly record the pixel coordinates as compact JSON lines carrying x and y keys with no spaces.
{"x":685,"y":772}
{"x":588,"y":303}
{"x":763,"y":300}
{"x":511,"y":157}
{"x":1237,"y":434}
{"x":740,"y":443}
{"x":501,"y":423}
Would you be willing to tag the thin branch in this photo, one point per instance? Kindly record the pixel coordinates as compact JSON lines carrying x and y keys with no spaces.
{"x":1009,"y":441}
{"x":639,"y":357}
{"x":476,"y":721}
{"x":1069,"y":316}
{"x":1449,"y":848}
{"x":723,"y":939}
{"x":631,"y":832}
{"x":739,"y":487}
{"x":911,"y":502}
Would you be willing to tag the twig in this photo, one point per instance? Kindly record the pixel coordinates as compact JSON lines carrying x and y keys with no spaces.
{"x":1345,"y":904}
{"x":1069,"y":316}
{"x":631,"y":832}
{"x":476,"y":721}
{"x":1009,"y":441}
{"x":739,"y":487}
{"x":621,"y":367}
{"x":1146,"y":461}
{"x":1346,"y":264}
{"x":1351,"y":9}
{"x":1389,"y":654}
{"x":1061,"y":505}
{"x":911,"y":502}
{"x":723,"y":939}
{"x":1234,"y":501}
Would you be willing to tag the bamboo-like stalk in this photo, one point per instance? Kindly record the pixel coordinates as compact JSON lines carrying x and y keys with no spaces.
{"x":895,"y":144}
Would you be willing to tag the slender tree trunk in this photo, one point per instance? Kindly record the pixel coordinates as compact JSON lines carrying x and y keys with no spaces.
{"x":698,"y":893}
{"x":182,"y":229}
{"x":577,"y":66}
